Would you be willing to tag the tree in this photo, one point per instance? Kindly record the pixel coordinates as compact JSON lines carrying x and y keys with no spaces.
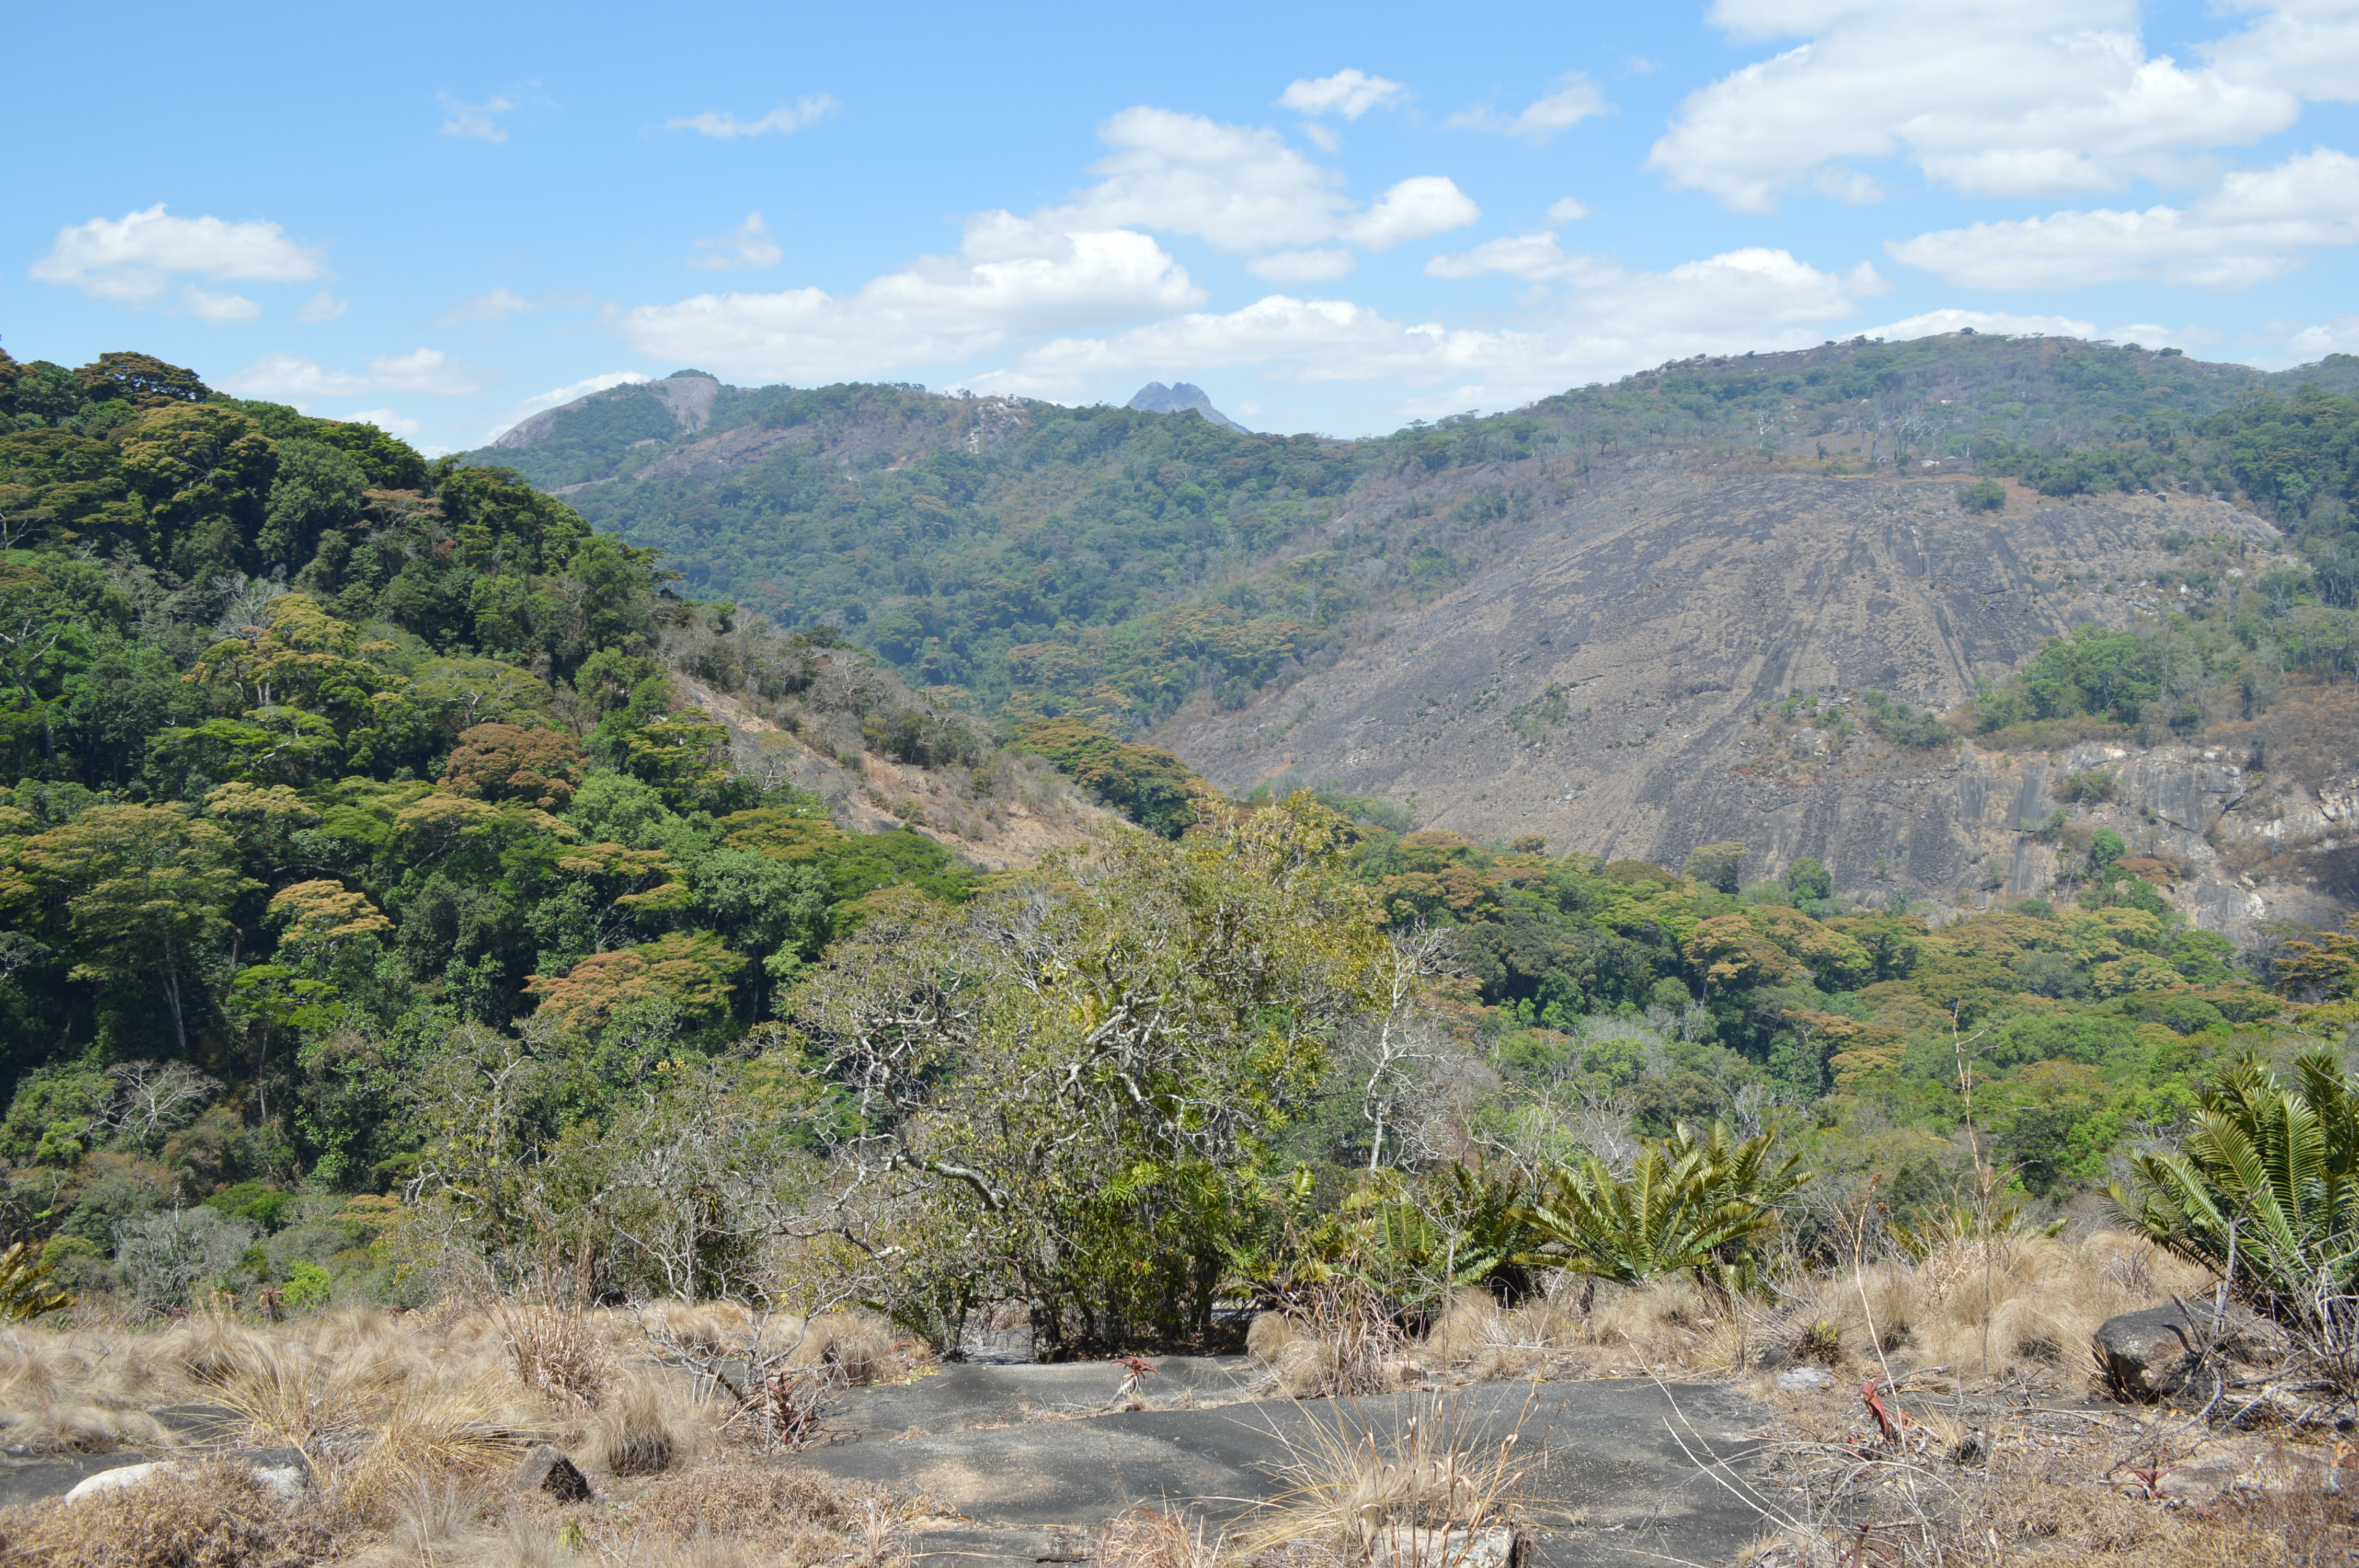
{"x":2325,"y":967}
{"x":145,"y":893}
{"x":1984,"y":495}
{"x":1808,"y":879}
{"x":502,"y":762}
{"x":1718,"y":866}
{"x":316,"y":488}
{"x":1080,"y":1072}
{"x":142,"y":380}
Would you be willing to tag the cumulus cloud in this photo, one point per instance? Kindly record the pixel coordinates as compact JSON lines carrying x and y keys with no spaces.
{"x":1302,"y":266}
{"x":747,"y":244}
{"x":132,"y":259}
{"x":1610,"y":320}
{"x":784,"y":120}
{"x":2014,"y":97}
{"x":1012,"y":276}
{"x":557,"y":397}
{"x":1416,"y":208}
{"x":1576,"y":98}
{"x":2252,"y":228}
{"x":385,"y":420}
{"x":2337,"y":335}
{"x":290,"y":378}
{"x":1348,"y":93}
{"x":218,"y":307}
{"x":322,"y":306}
{"x":479,"y":122}
{"x":1933,"y":323}
{"x":1240,"y":187}
{"x":2309,"y":46}
{"x":1568,"y":211}
{"x":1243,"y":189}
{"x":497,"y":306}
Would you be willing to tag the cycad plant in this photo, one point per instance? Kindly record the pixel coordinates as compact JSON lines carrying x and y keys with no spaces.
{"x":1699,"y":1203}
{"x":26,"y":1288}
{"x":2266,"y":1188}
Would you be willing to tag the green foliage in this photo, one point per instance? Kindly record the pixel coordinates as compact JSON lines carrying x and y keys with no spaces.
{"x":2270,"y":1172}
{"x":308,"y":1287}
{"x":1706,"y":1204}
{"x":1152,"y":787}
{"x":1983,"y":495}
{"x":26,"y":1291}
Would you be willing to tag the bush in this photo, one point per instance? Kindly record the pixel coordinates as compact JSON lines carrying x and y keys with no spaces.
{"x":1698,"y":1204}
{"x":307,"y":1286}
{"x":1984,"y":495}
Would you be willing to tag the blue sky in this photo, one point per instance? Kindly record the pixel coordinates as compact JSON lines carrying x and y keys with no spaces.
{"x":1332,"y":218}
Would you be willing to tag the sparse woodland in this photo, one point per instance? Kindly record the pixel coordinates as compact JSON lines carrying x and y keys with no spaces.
{"x":432,"y":1029}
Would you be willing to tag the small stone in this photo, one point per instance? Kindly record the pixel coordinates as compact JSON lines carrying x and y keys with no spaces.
{"x":1805,"y":1380}
{"x":1404,"y":1546}
{"x":121,"y":1476}
{"x":287,"y":1482}
{"x":546,"y":1469}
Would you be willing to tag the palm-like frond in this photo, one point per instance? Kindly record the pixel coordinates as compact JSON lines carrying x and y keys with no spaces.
{"x":1690,"y":1201}
{"x":2269,"y":1173}
{"x":26,"y":1288}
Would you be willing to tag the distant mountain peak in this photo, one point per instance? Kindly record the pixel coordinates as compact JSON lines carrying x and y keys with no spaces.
{"x":1156,"y":398}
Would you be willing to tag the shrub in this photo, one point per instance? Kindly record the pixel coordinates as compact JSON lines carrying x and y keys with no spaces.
{"x":307,"y":1287}
{"x":1698,"y":1203}
{"x":26,"y":1289}
{"x":1984,"y":495}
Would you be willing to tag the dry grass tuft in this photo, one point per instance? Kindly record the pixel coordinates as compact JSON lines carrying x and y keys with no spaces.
{"x":1145,"y":1537}
{"x":744,"y":1500}
{"x":557,"y":1354}
{"x":2044,"y":1299}
{"x":214,"y":1517}
{"x":1349,"y":1481}
{"x":653,"y":1422}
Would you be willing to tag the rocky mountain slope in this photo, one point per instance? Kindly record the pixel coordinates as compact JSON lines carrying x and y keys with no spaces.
{"x":1619,"y":677}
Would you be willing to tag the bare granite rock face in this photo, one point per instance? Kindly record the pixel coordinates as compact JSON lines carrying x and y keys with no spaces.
{"x":1611,"y":678}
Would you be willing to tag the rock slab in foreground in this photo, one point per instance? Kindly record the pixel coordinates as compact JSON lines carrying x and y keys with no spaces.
{"x":547,"y":1469}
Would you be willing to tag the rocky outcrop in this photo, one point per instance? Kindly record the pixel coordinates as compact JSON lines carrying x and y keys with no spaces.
{"x":2149,"y":1355}
{"x":1676,"y":652}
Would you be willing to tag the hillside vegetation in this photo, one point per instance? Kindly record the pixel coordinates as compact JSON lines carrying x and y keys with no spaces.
{"x":1110,"y":564}
{"x":400,"y":878}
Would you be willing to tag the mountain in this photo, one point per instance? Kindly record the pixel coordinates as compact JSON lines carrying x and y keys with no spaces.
{"x":1156,"y":398}
{"x":1591,"y":619}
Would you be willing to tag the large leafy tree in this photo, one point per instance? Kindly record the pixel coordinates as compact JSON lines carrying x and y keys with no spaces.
{"x":1082,"y":1071}
{"x":144,"y":893}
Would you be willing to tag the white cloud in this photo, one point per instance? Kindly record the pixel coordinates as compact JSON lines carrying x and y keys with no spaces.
{"x":2005,"y":97}
{"x":2309,"y":46}
{"x":385,"y":420}
{"x":218,"y":309}
{"x":1568,"y":211}
{"x":2252,"y":228}
{"x":747,"y":244}
{"x":1350,"y":94}
{"x":785,"y":119}
{"x":1243,"y":189}
{"x":557,"y":397}
{"x":1933,"y":323}
{"x":1240,"y":187}
{"x":322,"y":306}
{"x":1610,"y":321}
{"x":131,"y":259}
{"x":497,"y":306}
{"x":1416,"y":208}
{"x":2338,"y":335}
{"x":1011,"y":278}
{"x":1575,"y":100}
{"x":1535,"y":258}
{"x":478,"y":121}
{"x":1846,"y":185}
{"x":294,"y":379}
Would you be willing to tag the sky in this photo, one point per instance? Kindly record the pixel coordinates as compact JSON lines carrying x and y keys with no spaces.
{"x":1336,"y":218}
